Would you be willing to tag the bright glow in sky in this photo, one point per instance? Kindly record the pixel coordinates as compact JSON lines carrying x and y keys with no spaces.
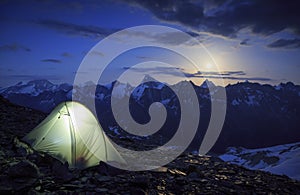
{"x":48,"y":39}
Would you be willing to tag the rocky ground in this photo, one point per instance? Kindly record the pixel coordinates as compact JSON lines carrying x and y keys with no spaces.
{"x":23,"y":170}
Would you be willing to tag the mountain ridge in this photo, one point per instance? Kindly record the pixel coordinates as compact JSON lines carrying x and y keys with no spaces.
{"x":257,"y":115}
{"x":24,"y":170}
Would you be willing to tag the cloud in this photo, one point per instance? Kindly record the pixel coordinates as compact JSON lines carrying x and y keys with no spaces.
{"x":171,"y":38}
{"x":222,"y":73}
{"x":285,"y":43}
{"x":155,"y":69}
{"x":14,"y":47}
{"x":227,"y":75}
{"x":245,"y":42}
{"x":97,"y":53}
{"x":75,"y":29}
{"x":230,"y":75}
{"x":226,"y":18}
{"x":214,"y":74}
{"x":169,"y":10}
{"x":232,"y":78}
{"x":81,"y":72}
{"x":51,"y":60}
{"x":66,"y":54}
{"x":33,"y":77}
{"x":175,"y":38}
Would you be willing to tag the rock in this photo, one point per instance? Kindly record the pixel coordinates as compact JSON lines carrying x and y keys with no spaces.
{"x":137,"y":191}
{"x":102,"y":178}
{"x":38,"y":188}
{"x":192,"y":168}
{"x":160,"y":169}
{"x":26,"y":172}
{"x":21,"y":148}
{"x":175,"y":171}
{"x":23,"y":169}
{"x":106,"y":169}
{"x":194,"y":176}
{"x":61,"y":171}
{"x":181,"y":180}
{"x":22,"y":175}
{"x":101,"y":190}
{"x":140,"y":181}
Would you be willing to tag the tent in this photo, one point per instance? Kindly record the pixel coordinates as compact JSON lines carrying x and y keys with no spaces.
{"x":72,"y":134}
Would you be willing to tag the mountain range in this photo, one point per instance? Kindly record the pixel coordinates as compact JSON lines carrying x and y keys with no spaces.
{"x":26,"y":171}
{"x":257,"y":115}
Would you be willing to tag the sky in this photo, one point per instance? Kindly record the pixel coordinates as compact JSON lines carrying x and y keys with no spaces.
{"x":252,"y":40}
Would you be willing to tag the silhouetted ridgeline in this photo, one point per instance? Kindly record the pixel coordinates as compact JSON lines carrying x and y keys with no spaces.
{"x":257,"y":115}
{"x":23,"y":170}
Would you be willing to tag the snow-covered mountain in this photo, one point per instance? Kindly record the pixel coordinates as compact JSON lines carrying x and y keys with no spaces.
{"x":281,"y":159}
{"x":37,"y":94}
{"x":257,"y":115}
{"x":34,"y":88}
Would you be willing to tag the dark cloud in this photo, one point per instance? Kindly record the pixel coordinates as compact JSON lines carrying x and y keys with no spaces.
{"x":169,"y":10}
{"x":66,"y":54}
{"x":228,"y":17}
{"x":159,"y":69}
{"x":227,"y":77}
{"x":168,"y":38}
{"x":75,"y":29}
{"x":232,"y":78}
{"x":230,"y":75}
{"x":33,"y":77}
{"x":2,"y":70}
{"x":51,"y":60}
{"x":97,"y":53}
{"x":213,"y":74}
{"x":81,"y":72}
{"x":171,"y":38}
{"x":14,"y":47}
{"x":285,"y":43}
{"x":245,"y":42}
{"x":222,"y":73}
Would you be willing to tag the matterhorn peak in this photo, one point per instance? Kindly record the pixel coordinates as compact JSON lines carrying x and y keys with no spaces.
{"x":207,"y":84}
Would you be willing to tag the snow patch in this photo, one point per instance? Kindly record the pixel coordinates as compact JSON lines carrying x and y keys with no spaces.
{"x":235,"y":102}
{"x":281,"y":159}
{"x":29,"y":90}
{"x":251,"y":100}
{"x":278,"y":87}
{"x":138,"y":92}
{"x":100,"y":96}
{"x":120,"y":90}
{"x":115,"y":130}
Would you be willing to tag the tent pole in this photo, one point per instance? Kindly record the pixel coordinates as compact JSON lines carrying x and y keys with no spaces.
{"x":104,"y":137}
{"x":73,"y":138}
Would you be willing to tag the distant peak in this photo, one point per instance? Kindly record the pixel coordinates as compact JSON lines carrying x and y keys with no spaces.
{"x":207,"y":84}
{"x":290,"y":83}
{"x":21,"y":83}
{"x":148,"y":78}
{"x":40,"y":84}
{"x":89,"y":83}
{"x":40,"y":81}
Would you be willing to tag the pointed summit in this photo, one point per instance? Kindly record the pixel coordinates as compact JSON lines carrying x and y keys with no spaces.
{"x":207,"y":84}
{"x":38,"y":86}
{"x":41,"y":83}
{"x":89,"y":83}
{"x":148,"y":78}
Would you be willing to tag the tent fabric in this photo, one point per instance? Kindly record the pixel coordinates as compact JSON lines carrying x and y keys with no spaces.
{"x":72,"y":134}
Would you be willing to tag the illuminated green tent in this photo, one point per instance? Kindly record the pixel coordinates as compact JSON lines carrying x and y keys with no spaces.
{"x":71,"y":133}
